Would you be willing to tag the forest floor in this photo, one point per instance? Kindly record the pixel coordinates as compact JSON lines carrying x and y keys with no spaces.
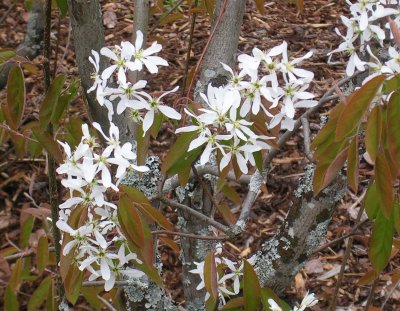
{"x":23,"y":183}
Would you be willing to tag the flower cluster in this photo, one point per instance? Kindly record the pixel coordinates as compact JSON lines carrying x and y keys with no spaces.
{"x":267,"y":81}
{"x":364,"y":31}
{"x":308,"y":301}
{"x":128,"y":57}
{"x":233,"y":277}
{"x":98,"y":243}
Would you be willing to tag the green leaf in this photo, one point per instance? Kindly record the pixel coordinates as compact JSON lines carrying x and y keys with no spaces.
{"x":74,"y":131}
{"x":384,"y":190}
{"x":142,"y":142}
{"x":16,"y":274}
{"x":63,"y":101}
{"x":13,"y":108}
{"x":90,"y":294}
{"x":396,"y":215}
{"x":391,"y":85}
{"x":373,"y":132}
{"x":146,"y":208}
{"x":73,"y":281}
{"x":210,"y":279}
{"x":352,"y":165}
{"x":251,"y":288}
{"x":267,"y":293}
{"x":371,"y":203}
{"x":42,"y":254}
{"x":234,"y":304}
{"x":178,"y":151}
{"x":63,"y":6}
{"x":393,"y":128}
{"x":5,"y":55}
{"x":356,"y":107}
{"x":50,"y":101}
{"x":39,"y":295}
{"x":380,"y":246}
{"x":26,"y":231}
{"x":331,"y":161}
{"x":48,"y":142}
{"x":130,"y":221}
{"x":10,"y":300}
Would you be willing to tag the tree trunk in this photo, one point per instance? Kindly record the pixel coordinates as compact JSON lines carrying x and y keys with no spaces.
{"x":304,"y":228}
{"x":222,"y":48}
{"x":33,"y":42}
{"x":88,"y":34}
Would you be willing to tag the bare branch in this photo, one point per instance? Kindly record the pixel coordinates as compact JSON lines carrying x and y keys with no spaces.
{"x":191,"y":236}
{"x":306,"y":138}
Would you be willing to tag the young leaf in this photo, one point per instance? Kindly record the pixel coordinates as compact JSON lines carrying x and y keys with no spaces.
{"x":373,"y":132}
{"x":393,"y":127}
{"x":371,"y":203}
{"x":234,"y":304}
{"x":251,"y":288}
{"x":352,"y":165}
{"x":26,"y":231}
{"x":48,"y":142}
{"x":145,"y":207}
{"x":267,"y":293}
{"x":16,"y":273}
{"x":356,"y":106}
{"x":331,"y":162}
{"x":380,"y":246}
{"x":178,"y":150}
{"x":130,"y":221}
{"x":13,"y":108}
{"x":210,"y":278}
{"x":63,"y":6}
{"x":63,"y":101}
{"x":50,"y":101}
{"x":39,"y":295}
{"x":5,"y":55}
{"x":384,"y":190}
{"x":42,"y":254}
{"x":10,"y":300}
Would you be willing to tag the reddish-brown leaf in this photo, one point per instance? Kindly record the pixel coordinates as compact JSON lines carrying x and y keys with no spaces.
{"x":210,"y":277}
{"x":352,"y":165}
{"x":393,"y":128}
{"x":373,"y":132}
{"x":384,"y":190}
{"x":356,"y":107}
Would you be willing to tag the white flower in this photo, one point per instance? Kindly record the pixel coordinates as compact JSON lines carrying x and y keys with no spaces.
{"x":273,"y":305}
{"x":143,"y":57}
{"x":289,"y":69}
{"x":154,"y":105}
{"x":97,"y":81}
{"x":308,"y":301}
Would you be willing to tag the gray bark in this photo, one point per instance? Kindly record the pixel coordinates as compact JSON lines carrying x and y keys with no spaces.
{"x":88,"y":34}
{"x":33,"y":41}
{"x":222,"y":48}
{"x":304,"y":228}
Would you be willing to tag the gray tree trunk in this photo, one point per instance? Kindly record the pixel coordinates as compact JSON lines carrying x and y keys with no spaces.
{"x":88,"y":34}
{"x":222,"y":48}
{"x":33,"y":41}
{"x":303,"y":230}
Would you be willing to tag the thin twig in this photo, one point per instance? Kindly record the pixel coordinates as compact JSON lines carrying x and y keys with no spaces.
{"x":27,"y":253}
{"x":195,"y":213}
{"x":189,"y":49}
{"x":101,"y":283}
{"x":346,"y":255}
{"x":390,"y":293}
{"x":371,"y":294}
{"x":223,"y":8}
{"x":57,"y":48}
{"x":164,"y":16}
{"x":190,"y":235}
{"x":338,"y":240}
{"x":106,"y":303}
{"x":307,"y":139}
{"x":50,"y":161}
